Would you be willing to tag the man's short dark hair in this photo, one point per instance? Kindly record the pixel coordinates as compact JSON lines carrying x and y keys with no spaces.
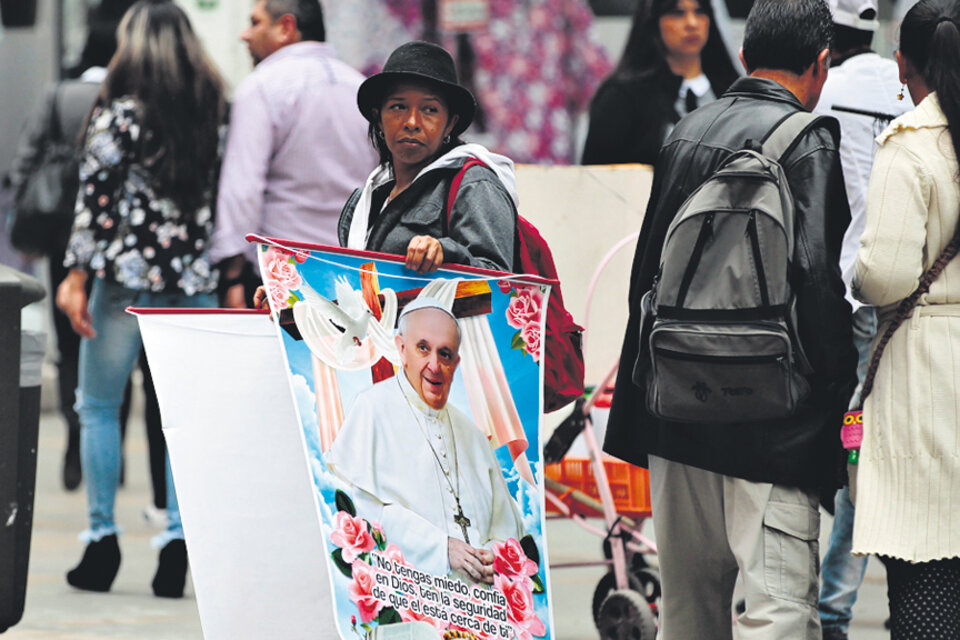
{"x":849,"y":39}
{"x":307,"y":13}
{"x":786,"y":35}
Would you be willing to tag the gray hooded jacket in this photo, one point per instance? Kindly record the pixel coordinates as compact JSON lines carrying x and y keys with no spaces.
{"x":482,"y":230}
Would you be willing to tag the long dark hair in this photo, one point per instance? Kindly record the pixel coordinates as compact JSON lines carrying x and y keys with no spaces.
{"x":645,"y":54}
{"x":930,"y":40}
{"x":161,"y":63}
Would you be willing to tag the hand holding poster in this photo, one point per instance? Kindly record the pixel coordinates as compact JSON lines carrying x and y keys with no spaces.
{"x":419,"y":398}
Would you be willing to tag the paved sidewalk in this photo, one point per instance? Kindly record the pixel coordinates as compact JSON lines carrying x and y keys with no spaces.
{"x":55,"y":610}
{"x":130,"y":610}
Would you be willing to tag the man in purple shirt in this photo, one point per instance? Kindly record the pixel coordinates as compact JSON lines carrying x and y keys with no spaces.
{"x":297,"y":146}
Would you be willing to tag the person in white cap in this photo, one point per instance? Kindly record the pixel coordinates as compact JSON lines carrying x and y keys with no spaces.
{"x":419,"y":466}
{"x":863,"y":92}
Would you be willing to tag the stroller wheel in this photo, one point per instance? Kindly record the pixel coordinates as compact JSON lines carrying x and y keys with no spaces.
{"x":606,"y":586}
{"x":649,"y":586}
{"x":626,"y":615}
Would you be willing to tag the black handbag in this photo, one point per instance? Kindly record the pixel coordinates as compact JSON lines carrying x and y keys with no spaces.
{"x":44,"y":202}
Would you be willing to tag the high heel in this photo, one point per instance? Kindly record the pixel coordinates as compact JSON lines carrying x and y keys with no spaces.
{"x":171,"y":570}
{"x":98,"y":567}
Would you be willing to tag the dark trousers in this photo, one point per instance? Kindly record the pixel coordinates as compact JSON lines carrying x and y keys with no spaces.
{"x":924,"y":599}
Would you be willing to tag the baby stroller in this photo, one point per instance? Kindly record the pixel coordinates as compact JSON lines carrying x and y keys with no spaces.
{"x":626,"y":599}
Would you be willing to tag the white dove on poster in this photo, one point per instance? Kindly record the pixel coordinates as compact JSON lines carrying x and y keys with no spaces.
{"x":349,"y":314}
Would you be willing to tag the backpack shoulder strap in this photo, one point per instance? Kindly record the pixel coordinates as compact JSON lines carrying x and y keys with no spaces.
{"x":782,"y":138}
{"x":455,"y":187}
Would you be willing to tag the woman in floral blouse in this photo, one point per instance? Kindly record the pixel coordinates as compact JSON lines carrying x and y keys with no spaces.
{"x":142,"y":227}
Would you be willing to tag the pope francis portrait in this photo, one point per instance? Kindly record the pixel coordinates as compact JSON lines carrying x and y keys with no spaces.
{"x":420,"y":467}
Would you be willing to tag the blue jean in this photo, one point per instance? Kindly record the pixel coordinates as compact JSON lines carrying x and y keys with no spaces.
{"x":106,"y":362}
{"x":842,"y":573}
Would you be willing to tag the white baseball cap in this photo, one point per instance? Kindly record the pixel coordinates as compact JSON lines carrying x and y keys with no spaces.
{"x":849,"y":13}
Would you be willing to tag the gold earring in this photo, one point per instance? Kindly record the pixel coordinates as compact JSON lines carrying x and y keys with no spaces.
{"x":900,"y":95}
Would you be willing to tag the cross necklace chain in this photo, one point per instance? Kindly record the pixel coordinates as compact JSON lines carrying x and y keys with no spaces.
{"x":460,"y":519}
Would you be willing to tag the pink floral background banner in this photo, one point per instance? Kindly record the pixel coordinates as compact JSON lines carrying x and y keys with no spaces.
{"x":432,"y":515}
{"x":537,"y":64}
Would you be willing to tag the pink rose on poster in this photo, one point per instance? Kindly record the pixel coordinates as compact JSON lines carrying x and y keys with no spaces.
{"x":361,"y":591}
{"x":379,"y":537}
{"x":510,"y":560}
{"x":352,"y":536}
{"x":531,"y":336}
{"x":521,"y":612}
{"x":394,"y":554}
{"x":281,"y":269}
{"x":524,"y":309}
{"x":279,"y":296}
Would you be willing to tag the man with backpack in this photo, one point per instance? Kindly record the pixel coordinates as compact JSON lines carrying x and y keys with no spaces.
{"x":738,"y":362}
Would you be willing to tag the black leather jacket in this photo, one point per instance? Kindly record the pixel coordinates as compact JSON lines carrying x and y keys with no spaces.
{"x":803,"y":450}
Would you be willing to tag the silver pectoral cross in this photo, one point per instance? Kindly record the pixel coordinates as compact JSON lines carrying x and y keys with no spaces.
{"x":463,"y":521}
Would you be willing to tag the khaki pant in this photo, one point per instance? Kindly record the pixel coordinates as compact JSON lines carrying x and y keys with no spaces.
{"x":709,"y":529}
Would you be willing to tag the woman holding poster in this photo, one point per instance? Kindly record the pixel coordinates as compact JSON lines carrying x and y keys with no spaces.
{"x":427,"y":478}
{"x":417,"y":109}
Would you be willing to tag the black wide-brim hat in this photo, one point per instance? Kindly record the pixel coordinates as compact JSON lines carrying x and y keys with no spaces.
{"x":419,"y":61}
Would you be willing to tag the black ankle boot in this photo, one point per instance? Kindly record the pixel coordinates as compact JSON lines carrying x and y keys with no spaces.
{"x":98,"y":567}
{"x":171,"y":570}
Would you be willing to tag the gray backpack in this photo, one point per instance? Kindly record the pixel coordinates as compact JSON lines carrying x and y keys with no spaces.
{"x":722,"y":341}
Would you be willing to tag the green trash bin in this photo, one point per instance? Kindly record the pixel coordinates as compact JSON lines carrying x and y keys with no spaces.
{"x":21,"y":357}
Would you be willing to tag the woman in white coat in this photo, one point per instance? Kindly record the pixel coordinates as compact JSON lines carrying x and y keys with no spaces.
{"x":908,"y":502}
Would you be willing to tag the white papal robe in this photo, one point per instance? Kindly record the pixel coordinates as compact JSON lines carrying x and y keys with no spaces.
{"x":382,"y":451}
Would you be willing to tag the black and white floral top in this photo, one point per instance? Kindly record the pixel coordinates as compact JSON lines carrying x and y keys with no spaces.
{"x":123,"y":231}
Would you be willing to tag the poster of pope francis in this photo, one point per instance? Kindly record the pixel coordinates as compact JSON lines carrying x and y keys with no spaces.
{"x":419,"y":397}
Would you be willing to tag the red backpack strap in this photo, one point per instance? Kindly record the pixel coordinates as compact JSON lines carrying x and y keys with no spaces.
{"x":455,"y":186}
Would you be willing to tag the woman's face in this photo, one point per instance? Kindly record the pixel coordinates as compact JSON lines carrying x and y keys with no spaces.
{"x":684,"y":29}
{"x":415,"y":120}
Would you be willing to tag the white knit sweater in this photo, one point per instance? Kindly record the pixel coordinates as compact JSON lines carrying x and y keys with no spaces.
{"x":908,"y":495}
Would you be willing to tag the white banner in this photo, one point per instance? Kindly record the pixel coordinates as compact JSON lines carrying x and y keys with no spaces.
{"x":244,"y":487}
